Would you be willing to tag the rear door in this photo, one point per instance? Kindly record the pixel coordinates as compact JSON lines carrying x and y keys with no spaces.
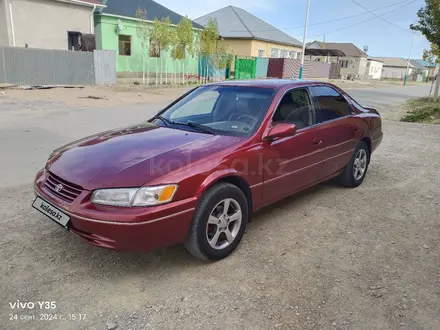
{"x":337,"y":128}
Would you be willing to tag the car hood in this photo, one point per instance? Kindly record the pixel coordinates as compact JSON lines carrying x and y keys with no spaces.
{"x":132,"y":156}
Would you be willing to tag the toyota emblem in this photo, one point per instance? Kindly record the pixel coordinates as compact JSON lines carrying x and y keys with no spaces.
{"x":59,"y":187}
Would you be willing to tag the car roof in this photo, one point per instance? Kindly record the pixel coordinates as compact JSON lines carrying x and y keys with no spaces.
{"x":269,"y":83}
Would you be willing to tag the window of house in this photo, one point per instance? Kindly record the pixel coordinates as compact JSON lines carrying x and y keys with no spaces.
{"x":154,"y":49}
{"x":344,"y":64}
{"x":275,"y":52}
{"x":73,"y":40}
{"x":292,"y":54}
{"x":332,"y":104}
{"x":261,"y":53}
{"x":124,"y":45}
{"x":295,"y":108}
{"x":284,"y":53}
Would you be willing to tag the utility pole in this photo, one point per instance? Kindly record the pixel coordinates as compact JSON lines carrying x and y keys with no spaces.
{"x":437,"y":85}
{"x":409,"y":60}
{"x":323,"y":42}
{"x":301,"y":68}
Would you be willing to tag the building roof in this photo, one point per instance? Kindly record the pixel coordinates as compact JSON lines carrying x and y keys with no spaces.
{"x":153,"y":9}
{"x":88,"y":3}
{"x":348,"y":49}
{"x":426,"y":64}
{"x":374,"y":59}
{"x":417,"y":65}
{"x":396,"y":62}
{"x":237,"y":23}
{"x":323,"y":52}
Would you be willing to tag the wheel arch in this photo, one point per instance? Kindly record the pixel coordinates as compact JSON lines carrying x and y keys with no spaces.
{"x":367,"y":140}
{"x":235,"y":179}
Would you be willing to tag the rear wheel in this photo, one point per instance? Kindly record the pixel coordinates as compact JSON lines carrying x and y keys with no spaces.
{"x":219,"y":223}
{"x":356,"y":170}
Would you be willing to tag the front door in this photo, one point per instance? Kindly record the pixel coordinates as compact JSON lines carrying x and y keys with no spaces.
{"x":291,"y":163}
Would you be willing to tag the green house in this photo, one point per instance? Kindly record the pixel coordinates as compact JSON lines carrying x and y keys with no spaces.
{"x":115,"y":29}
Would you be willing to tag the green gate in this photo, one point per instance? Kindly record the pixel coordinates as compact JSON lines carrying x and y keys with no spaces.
{"x":245,"y":67}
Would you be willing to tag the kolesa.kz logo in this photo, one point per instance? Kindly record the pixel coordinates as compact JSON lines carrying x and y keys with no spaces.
{"x":46,"y":208}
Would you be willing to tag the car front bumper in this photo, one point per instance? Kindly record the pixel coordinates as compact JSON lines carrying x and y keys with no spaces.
{"x":120,"y":228}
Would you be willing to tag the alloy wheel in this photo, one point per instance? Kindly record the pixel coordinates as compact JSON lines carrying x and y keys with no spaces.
{"x":224,"y":223}
{"x":360,"y":164}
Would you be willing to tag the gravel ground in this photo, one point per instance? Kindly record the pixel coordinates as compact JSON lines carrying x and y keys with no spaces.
{"x":327,"y":258}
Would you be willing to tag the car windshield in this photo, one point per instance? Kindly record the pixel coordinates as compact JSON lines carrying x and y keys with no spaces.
{"x":224,"y":110}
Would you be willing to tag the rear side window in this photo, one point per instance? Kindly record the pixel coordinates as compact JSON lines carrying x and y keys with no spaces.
{"x":332,"y":104}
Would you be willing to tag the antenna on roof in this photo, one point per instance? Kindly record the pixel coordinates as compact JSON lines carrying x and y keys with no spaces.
{"x":366,"y":49}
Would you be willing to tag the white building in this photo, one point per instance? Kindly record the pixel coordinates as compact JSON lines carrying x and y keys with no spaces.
{"x":374,"y":69}
{"x":394,"y":67}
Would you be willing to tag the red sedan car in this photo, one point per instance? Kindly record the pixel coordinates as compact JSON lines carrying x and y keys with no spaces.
{"x":196,"y":171}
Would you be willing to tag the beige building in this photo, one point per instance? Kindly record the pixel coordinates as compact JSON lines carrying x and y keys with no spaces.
{"x":246,"y":35}
{"x":49,"y":24}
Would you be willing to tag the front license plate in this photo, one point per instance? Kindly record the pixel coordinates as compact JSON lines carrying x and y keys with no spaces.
{"x":51,"y":211}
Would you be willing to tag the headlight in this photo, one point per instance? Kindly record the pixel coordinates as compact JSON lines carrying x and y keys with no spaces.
{"x":145,"y":196}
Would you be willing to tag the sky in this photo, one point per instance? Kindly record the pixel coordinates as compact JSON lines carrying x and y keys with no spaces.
{"x":391,"y":39}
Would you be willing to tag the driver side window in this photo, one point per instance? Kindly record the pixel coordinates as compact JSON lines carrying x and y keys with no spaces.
{"x":295,"y":108}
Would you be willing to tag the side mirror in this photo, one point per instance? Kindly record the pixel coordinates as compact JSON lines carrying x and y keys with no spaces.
{"x":280,"y":130}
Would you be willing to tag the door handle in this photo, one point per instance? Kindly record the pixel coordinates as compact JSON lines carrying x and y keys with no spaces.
{"x":317,"y":142}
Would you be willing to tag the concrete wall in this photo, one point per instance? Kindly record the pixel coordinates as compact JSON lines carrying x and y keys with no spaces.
{"x":107,"y":38}
{"x":374,"y":69}
{"x":44,"y":23}
{"x":4,"y":23}
{"x":389,"y":72}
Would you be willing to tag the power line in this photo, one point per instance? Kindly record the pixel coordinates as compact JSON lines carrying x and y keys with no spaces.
{"x":383,"y":19}
{"x":369,"y":19}
{"x":332,"y":20}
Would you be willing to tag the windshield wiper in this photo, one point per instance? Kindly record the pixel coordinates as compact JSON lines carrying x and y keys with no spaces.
{"x":200,"y":127}
{"x":189,"y":123}
{"x":167,"y":122}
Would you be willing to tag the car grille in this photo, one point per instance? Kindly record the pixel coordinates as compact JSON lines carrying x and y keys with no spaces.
{"x":68,"y":192}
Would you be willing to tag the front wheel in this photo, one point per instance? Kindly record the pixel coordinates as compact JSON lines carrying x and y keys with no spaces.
{"x":219,"y":223}
{"x":356,"y":170}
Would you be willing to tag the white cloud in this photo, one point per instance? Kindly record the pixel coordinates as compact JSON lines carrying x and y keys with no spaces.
{"x":197,"y":8}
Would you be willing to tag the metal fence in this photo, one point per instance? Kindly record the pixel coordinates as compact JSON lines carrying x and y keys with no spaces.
{"x":32,"y":66}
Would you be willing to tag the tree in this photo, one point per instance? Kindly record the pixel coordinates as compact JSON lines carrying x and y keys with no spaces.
{"x":184,"y":40}
{"x":209,"y":38}
{"x":429,"y":25}
{"x":220,"y":58}
{"x":432,"y":55}
{"x":143,"y":33}
{"x":162,"y":37}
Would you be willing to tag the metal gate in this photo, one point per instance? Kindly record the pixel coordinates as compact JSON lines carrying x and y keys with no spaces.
{"x":245,"y":67}
{"x":105,"y":66}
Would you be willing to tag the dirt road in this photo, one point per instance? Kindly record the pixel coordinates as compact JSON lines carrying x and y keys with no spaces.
{"x":328,"y":258}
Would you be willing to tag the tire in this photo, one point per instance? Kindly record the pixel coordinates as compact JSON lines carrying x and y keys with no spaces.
{"x":349,"y":177}
{"x":200,"y":241}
